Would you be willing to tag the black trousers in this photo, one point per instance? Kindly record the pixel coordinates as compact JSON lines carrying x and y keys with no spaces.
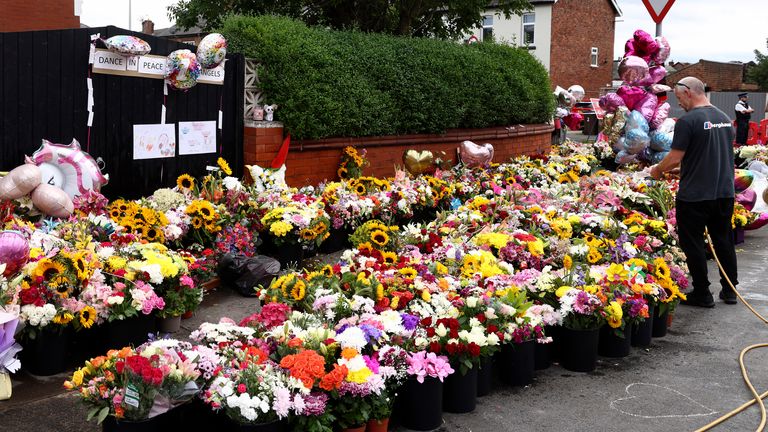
{"x":742,"y":131}
{"x":715,"y":215}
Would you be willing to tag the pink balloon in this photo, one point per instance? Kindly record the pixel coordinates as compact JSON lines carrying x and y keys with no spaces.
{"x":20,"y":181}
{"x":52,"y":201}
{"x":68,"y":167}
{"x":14,"y":251}
{"x":659,"y":88}
{"x":661,"y":114}
{"x":664,"y":49}
{"x":633,"y":69}
{"x":629,"y":48}
{"x":631,"y":95}
{"x":473,"y":155}
{"x":645,"y":45}
{"x":747,"y":198}
{"x":573,"y":120}
{"x":758,"y":223}
{"x":655,"y":74}
{"x":647,"y":105}
{"x":611,"y":102}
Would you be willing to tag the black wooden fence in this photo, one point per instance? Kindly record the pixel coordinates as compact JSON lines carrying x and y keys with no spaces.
{"x":43,"y":94}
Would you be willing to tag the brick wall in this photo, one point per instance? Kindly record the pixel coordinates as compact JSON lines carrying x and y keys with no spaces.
{"x":718,"y":76}
{"x":38,"y":15}
{"x":577,"y":26}
{"x":310,"y":162}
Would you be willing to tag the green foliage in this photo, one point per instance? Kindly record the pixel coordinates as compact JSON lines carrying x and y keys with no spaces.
{"x":333,"y":83}
{"x":432,"y":18}
{"x":759,"y":73}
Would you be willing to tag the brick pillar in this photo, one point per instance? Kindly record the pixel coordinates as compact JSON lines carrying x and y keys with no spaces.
{"x":261,"y":142}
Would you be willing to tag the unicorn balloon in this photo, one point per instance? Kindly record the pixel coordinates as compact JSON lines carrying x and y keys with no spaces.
{"x":67,"y":167}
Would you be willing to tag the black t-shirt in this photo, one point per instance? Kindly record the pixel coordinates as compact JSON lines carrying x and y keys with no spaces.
{"x":705,"y":134}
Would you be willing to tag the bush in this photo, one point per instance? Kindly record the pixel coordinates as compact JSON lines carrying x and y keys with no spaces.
{"x":334,"y":83}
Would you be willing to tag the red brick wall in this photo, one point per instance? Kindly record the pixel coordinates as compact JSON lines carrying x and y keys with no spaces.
{"x":310,"y":162}
{"x":718,"y":76}
{"x":17,"y":15}
{"x":577,"y":26}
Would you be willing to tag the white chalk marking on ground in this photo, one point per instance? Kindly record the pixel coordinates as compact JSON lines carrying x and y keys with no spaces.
{"x":626,"y":390}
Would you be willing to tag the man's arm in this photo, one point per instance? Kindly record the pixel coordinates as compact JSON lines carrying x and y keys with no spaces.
{"x":672,"y":160}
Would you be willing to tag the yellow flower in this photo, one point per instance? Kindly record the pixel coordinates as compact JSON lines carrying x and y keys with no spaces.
{"x":327,"y":270}
{"x":408,"y":272}
{"x":389,"y":257}
{"x":87,"y":316}
{"x":359,"y":376}
{"x":536,"y":248}
{"x":342,"y":173}
{"x":567,"y":262}
{"x":562,"y":228}
{"x":197,"y":222}
{"x":614,"y":314}
{"x":307,"y":234}
{"x":379,"y":237}
{"x":299,"y":290}
{"x":185,"y":182}
{"x":594,"y":255}
{"x":425,"y":295}
{"x":224,"y":166}
{"x":616,"y":273}
{"x":116,"y":263}
{"x":497,"y":240}
{"x":206,"y":210}
{"x":63,"y":318}
{"x":280,"y":228}
{"x":77,"y":377}
{"x":562,"y":290}
{"x":440,"y":268}
{"x":662,"y":270}
{"x":360,"y":189}
{"x":81,"y":266}
{"x":379,"y":292}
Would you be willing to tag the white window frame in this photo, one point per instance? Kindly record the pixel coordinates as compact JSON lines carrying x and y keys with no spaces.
{"x":486,"y":27}
{"x":593,"y":57}
{"x":532,"y":25}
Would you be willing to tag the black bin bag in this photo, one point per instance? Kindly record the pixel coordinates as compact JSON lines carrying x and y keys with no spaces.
{"x":244,"y":273}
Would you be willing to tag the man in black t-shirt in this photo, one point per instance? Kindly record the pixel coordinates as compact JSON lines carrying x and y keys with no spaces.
{"x":702,"y":147}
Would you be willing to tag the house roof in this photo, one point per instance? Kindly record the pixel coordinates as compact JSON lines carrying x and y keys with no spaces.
{"x":176,"y":31}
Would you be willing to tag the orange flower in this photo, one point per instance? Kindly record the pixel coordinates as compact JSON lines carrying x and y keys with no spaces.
{"x":295,"y":343}
{"x":119,"y":412}
{"x":98,"y":361}
{"x":348,"y":353}
{"x":333,"y":379}
{"x":256,"y":355}
{"x":306,"y":366}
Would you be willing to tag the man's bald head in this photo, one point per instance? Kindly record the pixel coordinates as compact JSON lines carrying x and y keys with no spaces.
{"x":693,"y":84}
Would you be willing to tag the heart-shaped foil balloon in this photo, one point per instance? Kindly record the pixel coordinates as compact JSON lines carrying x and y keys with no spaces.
{"x":473,"y":155}
{"x":14,"y":251}
{"x":418,"y":162}
{"x":743,"y":179}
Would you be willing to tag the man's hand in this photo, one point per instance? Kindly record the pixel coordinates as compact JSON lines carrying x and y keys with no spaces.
{"x":656,"y":173}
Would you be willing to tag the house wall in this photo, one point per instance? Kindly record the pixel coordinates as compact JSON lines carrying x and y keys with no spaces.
{"x":510,"y":31}
{"x":716,"y":75}
{"x":312,"y":161}
{"x":17,"y":16}
{"x":577,"y":26}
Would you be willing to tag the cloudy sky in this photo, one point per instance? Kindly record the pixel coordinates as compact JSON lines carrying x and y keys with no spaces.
{"x":718,"y":30}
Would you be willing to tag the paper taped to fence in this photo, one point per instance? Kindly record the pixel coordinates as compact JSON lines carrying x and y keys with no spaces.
{"x":146,"y":66}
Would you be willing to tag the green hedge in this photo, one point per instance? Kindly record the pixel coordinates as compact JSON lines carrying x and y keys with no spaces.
{"x":333,"y":83}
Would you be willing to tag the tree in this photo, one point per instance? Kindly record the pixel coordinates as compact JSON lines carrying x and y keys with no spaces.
{"x":434,"y":18}
{"x":759,"y":73}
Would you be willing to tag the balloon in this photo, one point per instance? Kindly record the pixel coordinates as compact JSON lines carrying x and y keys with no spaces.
{"x":655,"y":74}
{"x":742,"y":179}
{"x":610,"y":102}
{"x":14,"y":251}
{"x":633,"y":69}
{"x":613,"y":126}
{"x":645,"y":45}
{"x":619,"y":145}
{"x":664,"y":50}
{"x":660,"y":116}
{"x":636,"y":140}
{"x":659,"y":88}
{"x":747,"y":198}
{"x":127,"y":45}
{"x":417,"y":162}
{"x":637,"y":121}
{"x":211,"y":51}
{"x":20,"y":181}
{"x":759,"y":222}
{"x":573,"y":120}
{"x":68,"y":167}
{"x":560,"y":112}
{"x":52,"y":201}
{"x":577,"y":91}
{"x":657,"y":157}
{"x":647,"y":105}
{"x":629,"y":48}
{"x":631,"y":95}
{"x":667,"y":126}
{"x":660,"y":141}
{"x":474,"y":155}
{"x":759,"y":167}
{"x":181,"y":69}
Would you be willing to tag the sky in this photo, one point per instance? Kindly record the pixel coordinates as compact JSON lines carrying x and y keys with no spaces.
{"x":719,"y":30}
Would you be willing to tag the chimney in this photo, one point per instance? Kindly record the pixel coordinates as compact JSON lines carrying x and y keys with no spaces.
{"x":147,"y":27}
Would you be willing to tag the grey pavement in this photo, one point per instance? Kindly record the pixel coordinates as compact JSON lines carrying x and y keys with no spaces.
{"x":680,"y":383}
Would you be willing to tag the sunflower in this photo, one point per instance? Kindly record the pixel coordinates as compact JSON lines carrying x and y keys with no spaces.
{"x":185,"y":182}
{"x":327,"y":270}
{"x":594,"y":255}
{"x":389,"y":257}
{"x":87,"y":316}
{"x":379,"y":237}
{"x":299,"y":290}
{"x":342,"y":172}
{"x":152,"y":234}
{"x":81,"y":266}
{"x":114,"y":213}
{"x":307,"y":234}
{"x":48,"y":270}
{"x":320,"y":228}
{"x":567,"y":262}
{"x":206,"y":210}
{"x":63,"y":318}
{"x":62,"y":289}
{"x":224,"y":166}
{"x":365,"y":246}
{"x":661,"y":269}
{"x":408,"y":272}
{"x":197,"y":222}
{"x":360,"y":189}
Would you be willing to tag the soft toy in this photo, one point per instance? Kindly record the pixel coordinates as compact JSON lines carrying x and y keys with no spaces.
{"x":269,"y":112}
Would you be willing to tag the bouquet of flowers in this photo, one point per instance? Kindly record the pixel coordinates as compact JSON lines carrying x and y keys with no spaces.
{"x":374,"y":234}
{"x":352,"y":163}
{"x":297,"y":222}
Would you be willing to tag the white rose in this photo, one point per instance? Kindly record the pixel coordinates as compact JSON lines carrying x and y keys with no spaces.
{"x":441,"y":330}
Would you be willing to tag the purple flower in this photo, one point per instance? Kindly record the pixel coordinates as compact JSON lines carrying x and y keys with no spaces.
{"x":314,"y":404}
{"x":409,"y":321}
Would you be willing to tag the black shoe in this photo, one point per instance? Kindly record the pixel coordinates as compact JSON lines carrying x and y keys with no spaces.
{"x":728,"y":296}
{"x":705,"y":301}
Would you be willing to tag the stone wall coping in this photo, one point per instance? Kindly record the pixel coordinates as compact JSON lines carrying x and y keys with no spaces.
{"x":263,"y":124}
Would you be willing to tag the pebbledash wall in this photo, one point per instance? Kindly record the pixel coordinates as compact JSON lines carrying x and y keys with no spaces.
{"x":312,"y":161}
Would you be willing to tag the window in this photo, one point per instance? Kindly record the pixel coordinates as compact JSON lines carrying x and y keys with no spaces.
{"x":488,"y":28}
{"x":593,"y":57}
{"x":529,"y":22}
{"x":190,"y":42}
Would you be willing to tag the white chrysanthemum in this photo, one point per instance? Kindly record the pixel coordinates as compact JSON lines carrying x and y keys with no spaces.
{"x":352,"y":337}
